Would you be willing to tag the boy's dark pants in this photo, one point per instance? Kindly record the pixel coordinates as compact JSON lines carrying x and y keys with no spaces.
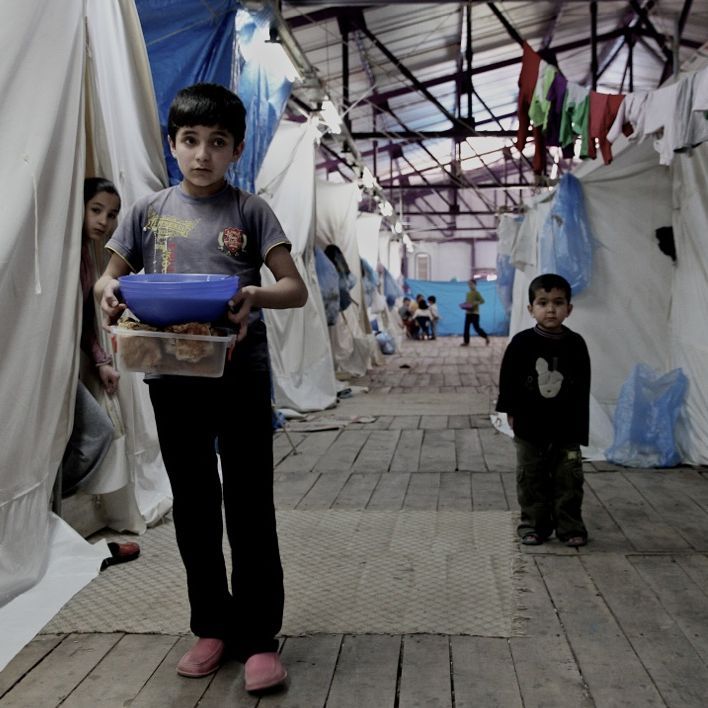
{"x":472,"y":319}
{"x":192,"y":414}
{"x":549,"y":486}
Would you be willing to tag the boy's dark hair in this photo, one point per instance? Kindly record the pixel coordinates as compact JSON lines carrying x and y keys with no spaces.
{"x":94,"y":185}
{"x":207,"y":104}
{"x":547,"y":282}
{"x":432,"y":298}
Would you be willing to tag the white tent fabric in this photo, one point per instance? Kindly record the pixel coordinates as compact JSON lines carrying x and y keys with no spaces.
{"x":46,"y":154}
{"x":371,"y":241}
{"x":367,"y":237}
{"x":353,"y":345}
{"x":300,"y":354}
{"x":41,"y":211}
{"x":127,"y":148}
{"x":636,"y":306}
{"x":689,"y":299}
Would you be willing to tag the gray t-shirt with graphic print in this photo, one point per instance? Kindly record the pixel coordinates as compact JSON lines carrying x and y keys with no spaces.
{"x":229,"y":233}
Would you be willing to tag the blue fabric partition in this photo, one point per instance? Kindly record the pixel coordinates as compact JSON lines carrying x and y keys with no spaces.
{"x":449,"y":294}
{"x":188,"y":41}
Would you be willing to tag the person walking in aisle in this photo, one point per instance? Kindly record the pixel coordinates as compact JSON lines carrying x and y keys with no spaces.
{"x":471,"y":307}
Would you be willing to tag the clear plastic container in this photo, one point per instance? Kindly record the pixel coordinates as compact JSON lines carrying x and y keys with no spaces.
{"x":170,"y":353}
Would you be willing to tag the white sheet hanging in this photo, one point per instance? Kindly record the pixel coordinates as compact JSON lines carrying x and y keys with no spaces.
{"x":687,"y":331}
{"x":126,"y":147}
{"x":41,"y":213}
{"x":624,"y":313}
{"x":45,"y":155}
{"x":353,"y":344}
{"x":300,"y":355}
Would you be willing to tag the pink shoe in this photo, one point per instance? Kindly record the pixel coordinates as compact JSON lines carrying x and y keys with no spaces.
{"x":264,"y":671}
{"x":202,"y":659}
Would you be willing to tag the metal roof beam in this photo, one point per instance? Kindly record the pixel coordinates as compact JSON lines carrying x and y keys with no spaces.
{"x":511,"y":30}
{"x":459,"y":75}
{"x":454,"y":185}
{"x":658,"y":38}
{"x":409,"y":75}
{"x":418,"y":135}
{"x":548,"y":37}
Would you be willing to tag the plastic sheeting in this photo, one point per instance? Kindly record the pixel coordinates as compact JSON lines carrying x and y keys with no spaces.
{"x":505,"y":281}
{"x":492,"y":315}
{"x":565,"y":240}
{"x":300,"y":355}
{"x":263,"y":88}
{"x":648,"y":407}
{"x":187,"y":42}
{"x":71,"y":565}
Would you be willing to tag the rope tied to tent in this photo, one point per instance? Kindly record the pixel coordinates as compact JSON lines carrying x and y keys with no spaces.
{"x":37,"y":281}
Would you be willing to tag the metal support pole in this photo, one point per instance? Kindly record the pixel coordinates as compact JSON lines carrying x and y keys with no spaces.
{"x":593,"y":43}
{"x":676,"y":45}
{"x":345,"y":76}
{"x":468,"y":59}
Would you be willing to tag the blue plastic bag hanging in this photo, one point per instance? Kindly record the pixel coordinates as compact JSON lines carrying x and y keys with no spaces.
{"x":565,"y":240}
{"x":328,"y":280}
{"x":645,"y":417}
{"x":505,"y":281}
{"x":392,"y":290}
{"x":370,"y":281}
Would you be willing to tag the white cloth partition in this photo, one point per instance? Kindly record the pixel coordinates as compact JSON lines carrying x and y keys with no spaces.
{"x":43,"y":149}
{"x":126,"y":144}
{"x":367,"y":237}
{"x":353,"y":344}
{"x":640,"y":306}
{"x":300,"y":354}
{"x":688,"y":334}
{"x":51,"y":93}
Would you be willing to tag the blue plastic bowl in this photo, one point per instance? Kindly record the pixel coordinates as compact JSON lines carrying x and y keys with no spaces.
{"x":162,"y":299}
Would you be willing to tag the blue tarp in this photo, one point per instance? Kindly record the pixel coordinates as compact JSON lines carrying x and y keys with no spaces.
{"x":264,"y":92}
{"x":188,"y":42}
{"x":449,"y":294}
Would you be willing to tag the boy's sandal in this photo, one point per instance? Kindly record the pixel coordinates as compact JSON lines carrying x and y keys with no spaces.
{"x":121,"y":553}
{"x":576,"y":541}
{"x":531,"y":539}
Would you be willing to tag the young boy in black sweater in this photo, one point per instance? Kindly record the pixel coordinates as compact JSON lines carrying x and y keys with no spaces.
{"x":544,"y":388}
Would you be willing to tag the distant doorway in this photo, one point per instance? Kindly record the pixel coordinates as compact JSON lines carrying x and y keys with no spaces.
{"x":422,"y":266}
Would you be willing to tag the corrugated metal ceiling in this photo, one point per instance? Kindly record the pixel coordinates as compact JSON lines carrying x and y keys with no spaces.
{"x":390,"y":46}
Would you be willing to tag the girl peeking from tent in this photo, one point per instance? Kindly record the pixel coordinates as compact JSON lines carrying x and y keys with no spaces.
{"x":101,"y":207}
{"x":93,"y":430}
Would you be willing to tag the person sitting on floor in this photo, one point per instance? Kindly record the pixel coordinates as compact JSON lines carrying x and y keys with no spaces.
{"x":424,"y":320}
{"x":406,"y":314}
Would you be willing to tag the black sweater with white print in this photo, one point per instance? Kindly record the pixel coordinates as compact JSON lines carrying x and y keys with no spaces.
{"x":544,"y":383}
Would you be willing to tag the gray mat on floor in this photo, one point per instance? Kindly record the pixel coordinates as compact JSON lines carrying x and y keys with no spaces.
{"x":352,"y":572}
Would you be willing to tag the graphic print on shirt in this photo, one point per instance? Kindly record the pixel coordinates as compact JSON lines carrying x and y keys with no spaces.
{"x":232,"y":241}
{"x":549,"y":380}
{"x":165,"y":229}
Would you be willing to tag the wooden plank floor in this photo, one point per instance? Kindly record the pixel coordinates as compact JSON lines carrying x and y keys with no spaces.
{"x":622,"y":622}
